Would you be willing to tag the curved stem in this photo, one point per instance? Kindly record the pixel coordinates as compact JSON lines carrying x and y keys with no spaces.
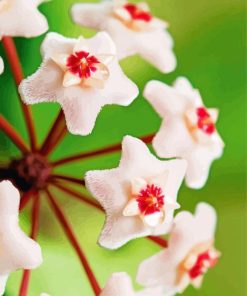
{"x":13,"y":59}
{"x":34,"y":233}
{"x":10,"y":131}
{"x":71,"y":236}
{"x":69,"y":179}
{"x":55,"y":135}
{"x":26,"y":197}
{"x":78,"y":196}
{"x":103,"y":151}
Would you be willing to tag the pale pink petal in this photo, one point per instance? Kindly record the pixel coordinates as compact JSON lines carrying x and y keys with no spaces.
{"x":1,"y":66}
{"x":3,"y":281}
{"x":131,"y":208}
{"x":164,"y":99}
{"x":26,"y":20}
{"x":17,"y":250}
{"x":199,"y":164}
{"x":91,"y":15}
{"x":188,"y":232}
{"x":173,"y":139}
{"x":112,"y":189}
{"x":43,"y":85}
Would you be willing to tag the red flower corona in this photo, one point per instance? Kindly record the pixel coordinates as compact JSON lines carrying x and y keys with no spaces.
{"x":82,"y":64}
{"x":137,"y":13}
{"x":205,"y":122}
{"x":151,"y":200}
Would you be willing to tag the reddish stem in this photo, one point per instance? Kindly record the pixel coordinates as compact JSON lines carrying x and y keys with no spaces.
{"x":107,"y":150}
{"x":10,"y":131}
{"x":26,"y":197}
{"x":72,"y":238}
{"x":55,"y":135}
{"x":16,"y":68}
{"x":34,"y":233}
{"x":79,"y":196}
{"x":159,"y":241}
{"x":69,"y":179}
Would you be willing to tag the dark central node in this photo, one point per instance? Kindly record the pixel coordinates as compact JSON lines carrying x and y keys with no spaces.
{"x":30,"y":172}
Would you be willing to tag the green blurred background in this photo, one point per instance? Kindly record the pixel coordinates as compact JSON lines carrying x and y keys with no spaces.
{"x":209,"y":44}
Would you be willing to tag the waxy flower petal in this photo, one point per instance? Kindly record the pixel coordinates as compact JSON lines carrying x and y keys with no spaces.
{"x":21,"y":18}
{"x":114,"y":190}
{"x":1,"y":66}
{"x":18,"y":251}
{"x":119,"y":284}
{"x":82,"y":75}
{"x":133,"y":28}
{"x":188,"y":128}
{"x":189,"y":255}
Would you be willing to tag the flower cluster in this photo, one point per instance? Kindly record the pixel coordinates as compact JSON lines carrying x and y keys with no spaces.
{"x":139,"y":197}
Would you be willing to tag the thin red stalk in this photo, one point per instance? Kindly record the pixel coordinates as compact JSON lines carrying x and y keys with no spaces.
{"x":26,"y":197}
{"x":107,"y":150}
{"x":34,"y":233}
{"x":72,"y":238}
{"x":78,"y":196}
{"x":156,"y":239}
{"x":55,"y":135}
{"x":10,"y":131}
{"x":16,"y":68}
{"x":69,"y":179}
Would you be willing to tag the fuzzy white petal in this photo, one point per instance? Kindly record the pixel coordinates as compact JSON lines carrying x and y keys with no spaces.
{"x":119,"y":284}
{"x":153,"y":43}
{"x":112,"y":189}
{"x":17,"y":250}
{"x":1,"y":66}
{"x":26,"y":20}
{"x":176,"y":105}
{"x":81,"y":104}
{"x":3,"y":281}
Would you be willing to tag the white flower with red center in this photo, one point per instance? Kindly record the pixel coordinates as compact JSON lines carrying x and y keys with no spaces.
{"x":190,"y":253}
{"x":188,"y":129}
{"x":139,"y":196}
{"x":133,"y":28}
{"x":17,"y":250}
{"x":26,"y":20}
{"x":82,"y":75}
{"x":119,"y":284}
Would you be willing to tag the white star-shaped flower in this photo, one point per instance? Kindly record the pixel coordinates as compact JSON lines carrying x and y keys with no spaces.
{"x":132,"y":27}
{"x":82,"y":75}
{"x":21,"y":18}
{"x":119,"y":284}
{"x":17,"y":251}
{"x":139,"y":196}
{"x":188,"y":129}
{"x":189,"y":255}
{"x":1,"y":66}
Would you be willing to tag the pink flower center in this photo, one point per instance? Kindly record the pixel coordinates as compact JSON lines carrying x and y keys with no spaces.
{"x":203,"y":263}
{"x":138,"y":14}
{"x":82,"y":64}
{"x":205,"y":122}
{"x":150,"y":200}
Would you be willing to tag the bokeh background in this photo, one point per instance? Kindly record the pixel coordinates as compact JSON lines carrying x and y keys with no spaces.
{"x":209,"y":44}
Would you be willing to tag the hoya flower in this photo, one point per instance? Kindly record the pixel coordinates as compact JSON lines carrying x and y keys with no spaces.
{"x":82,"y":75}
{"x":188,"y":129}
{"x":21,"y":18}
{"x":139,"y":196}
{"x":17,"y":250}
{"x":119,"y":284}
{"x":190,"y":253}
{"x":1,"y":66}
{"x":133,"y":28}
